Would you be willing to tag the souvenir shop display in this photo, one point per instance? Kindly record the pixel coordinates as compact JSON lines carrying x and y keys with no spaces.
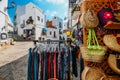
{"x":94,"y":43}
{"x":103,"y":36}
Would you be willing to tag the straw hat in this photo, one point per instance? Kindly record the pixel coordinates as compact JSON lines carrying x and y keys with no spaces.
{"x":111,"y":42}
{"x":113,"y":63}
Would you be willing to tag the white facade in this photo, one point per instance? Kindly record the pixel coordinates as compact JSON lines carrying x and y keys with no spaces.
{"x":5,"y":22}
{"x":23,"y":13}
{"x":3,"y":14}
{"x":52,"y":34}
{"x":65,"y":26}
{"x":58,"y":22}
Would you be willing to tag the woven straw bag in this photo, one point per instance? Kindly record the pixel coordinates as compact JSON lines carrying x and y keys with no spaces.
{"x":92,"y":58}
{"x":111,"y":42}
{"x":93,"y":52}
{"x":113,"y":63}
{"x":93,"y":73}
{"x":89,"y":19}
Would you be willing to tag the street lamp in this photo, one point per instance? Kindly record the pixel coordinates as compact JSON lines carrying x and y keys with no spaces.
{"x":12,"y":6}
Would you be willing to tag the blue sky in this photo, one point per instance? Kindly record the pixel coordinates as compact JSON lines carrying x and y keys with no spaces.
{"x":50,"y":7}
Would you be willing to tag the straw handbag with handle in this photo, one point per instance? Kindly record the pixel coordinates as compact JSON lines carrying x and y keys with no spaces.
{"x":112,"y":41}
{"x":89,"y":19}
{"x":93,"y":73}
{"x":93,"y":52}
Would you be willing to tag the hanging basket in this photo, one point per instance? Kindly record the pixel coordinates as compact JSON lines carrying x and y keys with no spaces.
{"x":111,"y":42}
{"x":89,"y":19}
{"x":93,"y":52}
{"x":93,"y":73}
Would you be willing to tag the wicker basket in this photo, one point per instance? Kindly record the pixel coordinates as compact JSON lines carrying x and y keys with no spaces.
{"x":111,"y":42}
{"x":93,"y":73}
{"x":91,"y":57}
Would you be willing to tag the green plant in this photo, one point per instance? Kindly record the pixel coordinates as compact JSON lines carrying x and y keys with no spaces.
{"x":14,"y":38}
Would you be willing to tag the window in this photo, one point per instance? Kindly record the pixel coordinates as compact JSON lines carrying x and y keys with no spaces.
{"x":15,"y":17}
{"x":24,"y":31}
{"x":39,"y":38}
{"x":43,"y":39}
{"x":60,"y":25}
{"x":38,"y":18}
{"x":23,"y":25}
{"x":54,"y":17}
{"x":41,"y":20}
{"x":54,"y":34}
{"x":50,"y":33}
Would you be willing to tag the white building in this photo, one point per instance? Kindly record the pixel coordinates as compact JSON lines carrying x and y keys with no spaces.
{"x":29,"y":19}
{"x":52,"y":31}
{"x":65,"y":26}
{"x":73,"y":16}
{"x":5,"y":22}
{"x":58,"y":23}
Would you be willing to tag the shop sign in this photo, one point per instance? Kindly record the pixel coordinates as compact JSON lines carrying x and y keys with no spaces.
{"x":3,"y":36}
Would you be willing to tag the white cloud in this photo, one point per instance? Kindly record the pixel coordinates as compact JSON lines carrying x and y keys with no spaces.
{"x":38,"y":0}
{"x":65,"y":13}
{"x":54,"y":13}
{"x":56,"y":1}
{"x":51,"y":13}
{"x":66,"y":4}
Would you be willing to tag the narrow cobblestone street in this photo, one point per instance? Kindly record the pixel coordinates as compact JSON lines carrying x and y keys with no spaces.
{"x":13,"y":61}
{"x":14,"y":52}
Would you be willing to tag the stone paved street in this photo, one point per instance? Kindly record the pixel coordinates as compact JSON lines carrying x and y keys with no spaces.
{"x":13,"y":61}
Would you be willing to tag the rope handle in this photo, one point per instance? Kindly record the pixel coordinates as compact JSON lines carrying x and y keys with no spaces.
{"x":96,"y":40}
{"x":92,"y":38}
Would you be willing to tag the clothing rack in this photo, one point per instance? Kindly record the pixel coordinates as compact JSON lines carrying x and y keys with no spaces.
{"x":48,"y":41}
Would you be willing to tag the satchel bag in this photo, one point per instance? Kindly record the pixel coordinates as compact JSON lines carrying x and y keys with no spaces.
{"x":112,"y":41}
{"x":93,"y":52}
{"x":89,"y":19}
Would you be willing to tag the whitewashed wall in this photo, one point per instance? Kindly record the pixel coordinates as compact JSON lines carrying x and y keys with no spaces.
{"x":31,"y":10}
{"x":3,"y":5}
